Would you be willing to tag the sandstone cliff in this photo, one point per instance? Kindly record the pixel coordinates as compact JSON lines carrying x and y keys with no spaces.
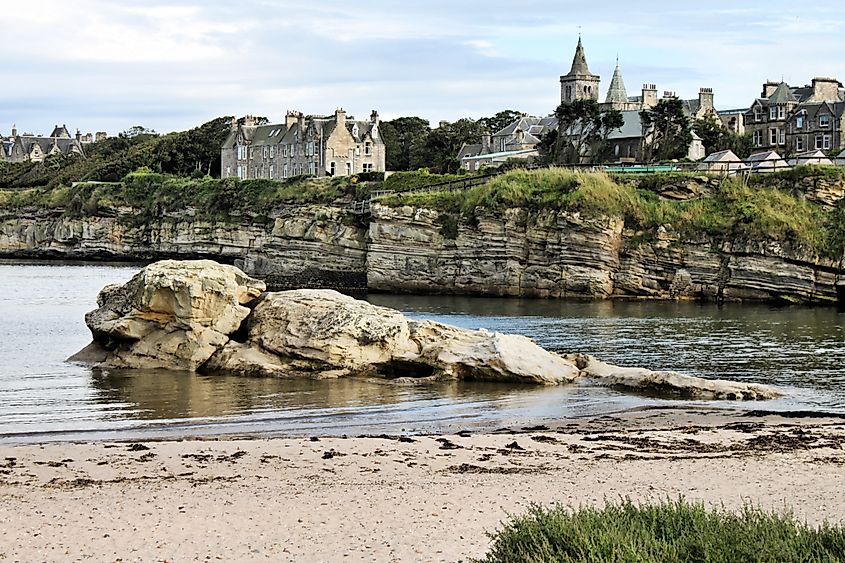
{"x":559,"y":254}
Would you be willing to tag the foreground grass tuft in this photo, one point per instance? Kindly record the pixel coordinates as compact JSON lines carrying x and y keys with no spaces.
{"x":672,"y":531}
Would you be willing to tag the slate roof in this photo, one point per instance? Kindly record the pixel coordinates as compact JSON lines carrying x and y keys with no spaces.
{"x":722,"y":156}
{"x":46,"y":144}
{"x":782,"y":95}
{"x":616,"y":92}
{"x":468,"y":151}
{"x":60,"y":132}
{"x":579,"y":63}
{"x":632,"y":128}
{"x":811,"y":157}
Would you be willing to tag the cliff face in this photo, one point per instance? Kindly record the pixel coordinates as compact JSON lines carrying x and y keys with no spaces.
{"x":546,"y":254}
{"x":292,"y":247}
{"x":560,"y":254}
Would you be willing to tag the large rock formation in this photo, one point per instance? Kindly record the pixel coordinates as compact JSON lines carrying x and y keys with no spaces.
{"x":325,"y":333}
{"x":560,"y":254}
{"x":172,"y":315}
{"x":193,"y":316}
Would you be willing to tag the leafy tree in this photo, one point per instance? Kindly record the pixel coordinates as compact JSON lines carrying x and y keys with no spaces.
{"x":138,"y":132}
{"x":582,"y":132}
{"x":711,"y":131}
{"x":441,"y":147}
{"x":500,"y":120}
{"x":667,"y":130}
{"x":403,"y":138}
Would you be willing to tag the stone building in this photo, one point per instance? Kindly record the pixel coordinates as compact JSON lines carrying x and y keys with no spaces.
{"x":792,"y":120}
{"x":35,"y":148}
{"x":335,"y":145}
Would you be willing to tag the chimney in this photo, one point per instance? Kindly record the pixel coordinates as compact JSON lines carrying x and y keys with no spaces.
{"x":374,"y":118}
{"x":14,"y":131}
{"x":705,"y":99}
{"x":78,"y":136}
{"x":668,"y":94}
{"x":249,"y":120}
{"x":649,"y":96}
{"x":769,"y":88}
{"x":340,"y":117}
{"x":290,"y":119}
{"x":233,"y":125}
{"x":485,"y":143}
{"x":825,"y":89}
{"x":300,"y":119}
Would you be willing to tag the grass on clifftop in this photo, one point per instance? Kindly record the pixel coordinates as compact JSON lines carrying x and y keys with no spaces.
{"x":735,"y":211}
{"x":672,"y":531}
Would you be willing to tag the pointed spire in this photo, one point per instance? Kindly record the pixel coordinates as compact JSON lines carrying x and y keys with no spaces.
{"x":617,"y":93}
{"x":579,"y":62}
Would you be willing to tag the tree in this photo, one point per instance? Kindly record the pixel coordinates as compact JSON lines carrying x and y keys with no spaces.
{"x":403,"y":138}
{"x":138,"y":132}
{"x":500,"y":120}
{"x":667,"y":131}
{"x":711,"y":131}
{"x":582,"y":132}
{"x":441,"y":147}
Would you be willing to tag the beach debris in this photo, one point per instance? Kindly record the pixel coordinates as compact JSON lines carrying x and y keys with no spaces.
{"x":137,"y":448}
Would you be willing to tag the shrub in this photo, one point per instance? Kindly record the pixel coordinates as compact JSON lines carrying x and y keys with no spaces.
{"x":671,"y":531}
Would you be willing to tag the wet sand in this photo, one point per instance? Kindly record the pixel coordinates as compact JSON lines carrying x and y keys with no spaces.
{"x":419,"y":498}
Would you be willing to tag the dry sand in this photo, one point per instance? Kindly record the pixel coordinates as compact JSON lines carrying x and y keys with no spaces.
{"x":385,"y":499}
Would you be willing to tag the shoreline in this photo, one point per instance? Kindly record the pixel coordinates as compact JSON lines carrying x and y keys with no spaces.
{"x":399,"y":498}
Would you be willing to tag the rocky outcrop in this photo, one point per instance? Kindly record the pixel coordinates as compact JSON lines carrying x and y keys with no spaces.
{"x":172,"y":315}
{"x":305,"y":332}
{"x":294,"y":246}
{"x":670,"y":383}
{"x":553,"y":254}
{"x":194,"y":315}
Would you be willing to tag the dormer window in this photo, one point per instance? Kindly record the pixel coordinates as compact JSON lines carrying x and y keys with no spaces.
{"x":777,"y":112}
{"x":355,"y":130}
{"x":824,"y":121}
{"x":368,"y":148}
{"x":799,"y":122}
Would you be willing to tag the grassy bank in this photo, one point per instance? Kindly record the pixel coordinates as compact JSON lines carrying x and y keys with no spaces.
{"x":667,"y":532}
{"x":735,"y":211}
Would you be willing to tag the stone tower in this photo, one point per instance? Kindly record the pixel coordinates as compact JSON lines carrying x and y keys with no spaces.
{"x":580,"y":83}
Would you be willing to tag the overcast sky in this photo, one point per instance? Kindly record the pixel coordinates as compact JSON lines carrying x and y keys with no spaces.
{"x":110,"y":64}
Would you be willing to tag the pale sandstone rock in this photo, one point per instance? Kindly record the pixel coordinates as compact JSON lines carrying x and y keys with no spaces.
{"x":346,"y":336}
{"x":172,"y":314}
{"x":670,"y":382}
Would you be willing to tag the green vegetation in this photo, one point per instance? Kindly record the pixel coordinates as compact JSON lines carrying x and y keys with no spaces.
{"x":153,"y":195}
{"x":406,"y":181}
{"x":735,"y":211}
{"x":672,"y":531}
{"x":192,"y":153}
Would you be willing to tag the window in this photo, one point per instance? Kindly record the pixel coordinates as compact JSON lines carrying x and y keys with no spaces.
{"x":824,"y":121}
{"x":368,"y":167}
{"x":241,"y":152}
{"x":286,"y":150}
{"x":332,"y":168}
{"x":349,"y":169}
{"x":799,"y":144}
{"x":272,"y":172}
{"x":368,"y":148}
{"x":272,"y":152}
{"x":228,"y":171}
{"x":758,"y":114}
{"x":241,"y":173}
{"x":758,"y":138}
{"x":799,"y":122}
{"x":285,"y":171}
{"x":825,"y":142}
{"x":781,"y":136}
{"x":252,"y":152}
{"x":312,"y":169}
{"x":773,"y":136}
{"x":773,"y":112}
{"x":264,"y":152}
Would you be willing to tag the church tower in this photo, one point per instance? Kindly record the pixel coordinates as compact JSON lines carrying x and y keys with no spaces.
{"x":580,"y":83}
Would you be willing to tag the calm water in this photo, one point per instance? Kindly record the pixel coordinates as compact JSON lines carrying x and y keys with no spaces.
{"x":44,"y":398}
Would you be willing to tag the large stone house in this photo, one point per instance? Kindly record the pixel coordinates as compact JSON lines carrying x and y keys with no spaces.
{"x":35,"y":148}
{"x":335,"y":145}
{"x":792,"y":120}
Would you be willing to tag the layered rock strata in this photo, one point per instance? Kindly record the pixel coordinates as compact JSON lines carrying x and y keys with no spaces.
{"x":556,"y":254}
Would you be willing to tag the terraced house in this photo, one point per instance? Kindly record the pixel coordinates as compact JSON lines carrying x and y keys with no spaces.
{"x":335,"y":145}
{"x":793,"y":120}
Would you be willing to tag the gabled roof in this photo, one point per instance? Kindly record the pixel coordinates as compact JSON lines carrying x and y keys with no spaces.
{"x":722,"y":156}
{"x":468,"y":151}
{"x":60,"y":132}
{"x":811,"y":157}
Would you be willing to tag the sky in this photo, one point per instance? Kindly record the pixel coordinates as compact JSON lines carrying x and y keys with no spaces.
{"x":107,"y":65}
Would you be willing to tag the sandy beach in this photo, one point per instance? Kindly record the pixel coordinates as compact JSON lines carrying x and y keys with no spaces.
{"x":418,"y":498}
